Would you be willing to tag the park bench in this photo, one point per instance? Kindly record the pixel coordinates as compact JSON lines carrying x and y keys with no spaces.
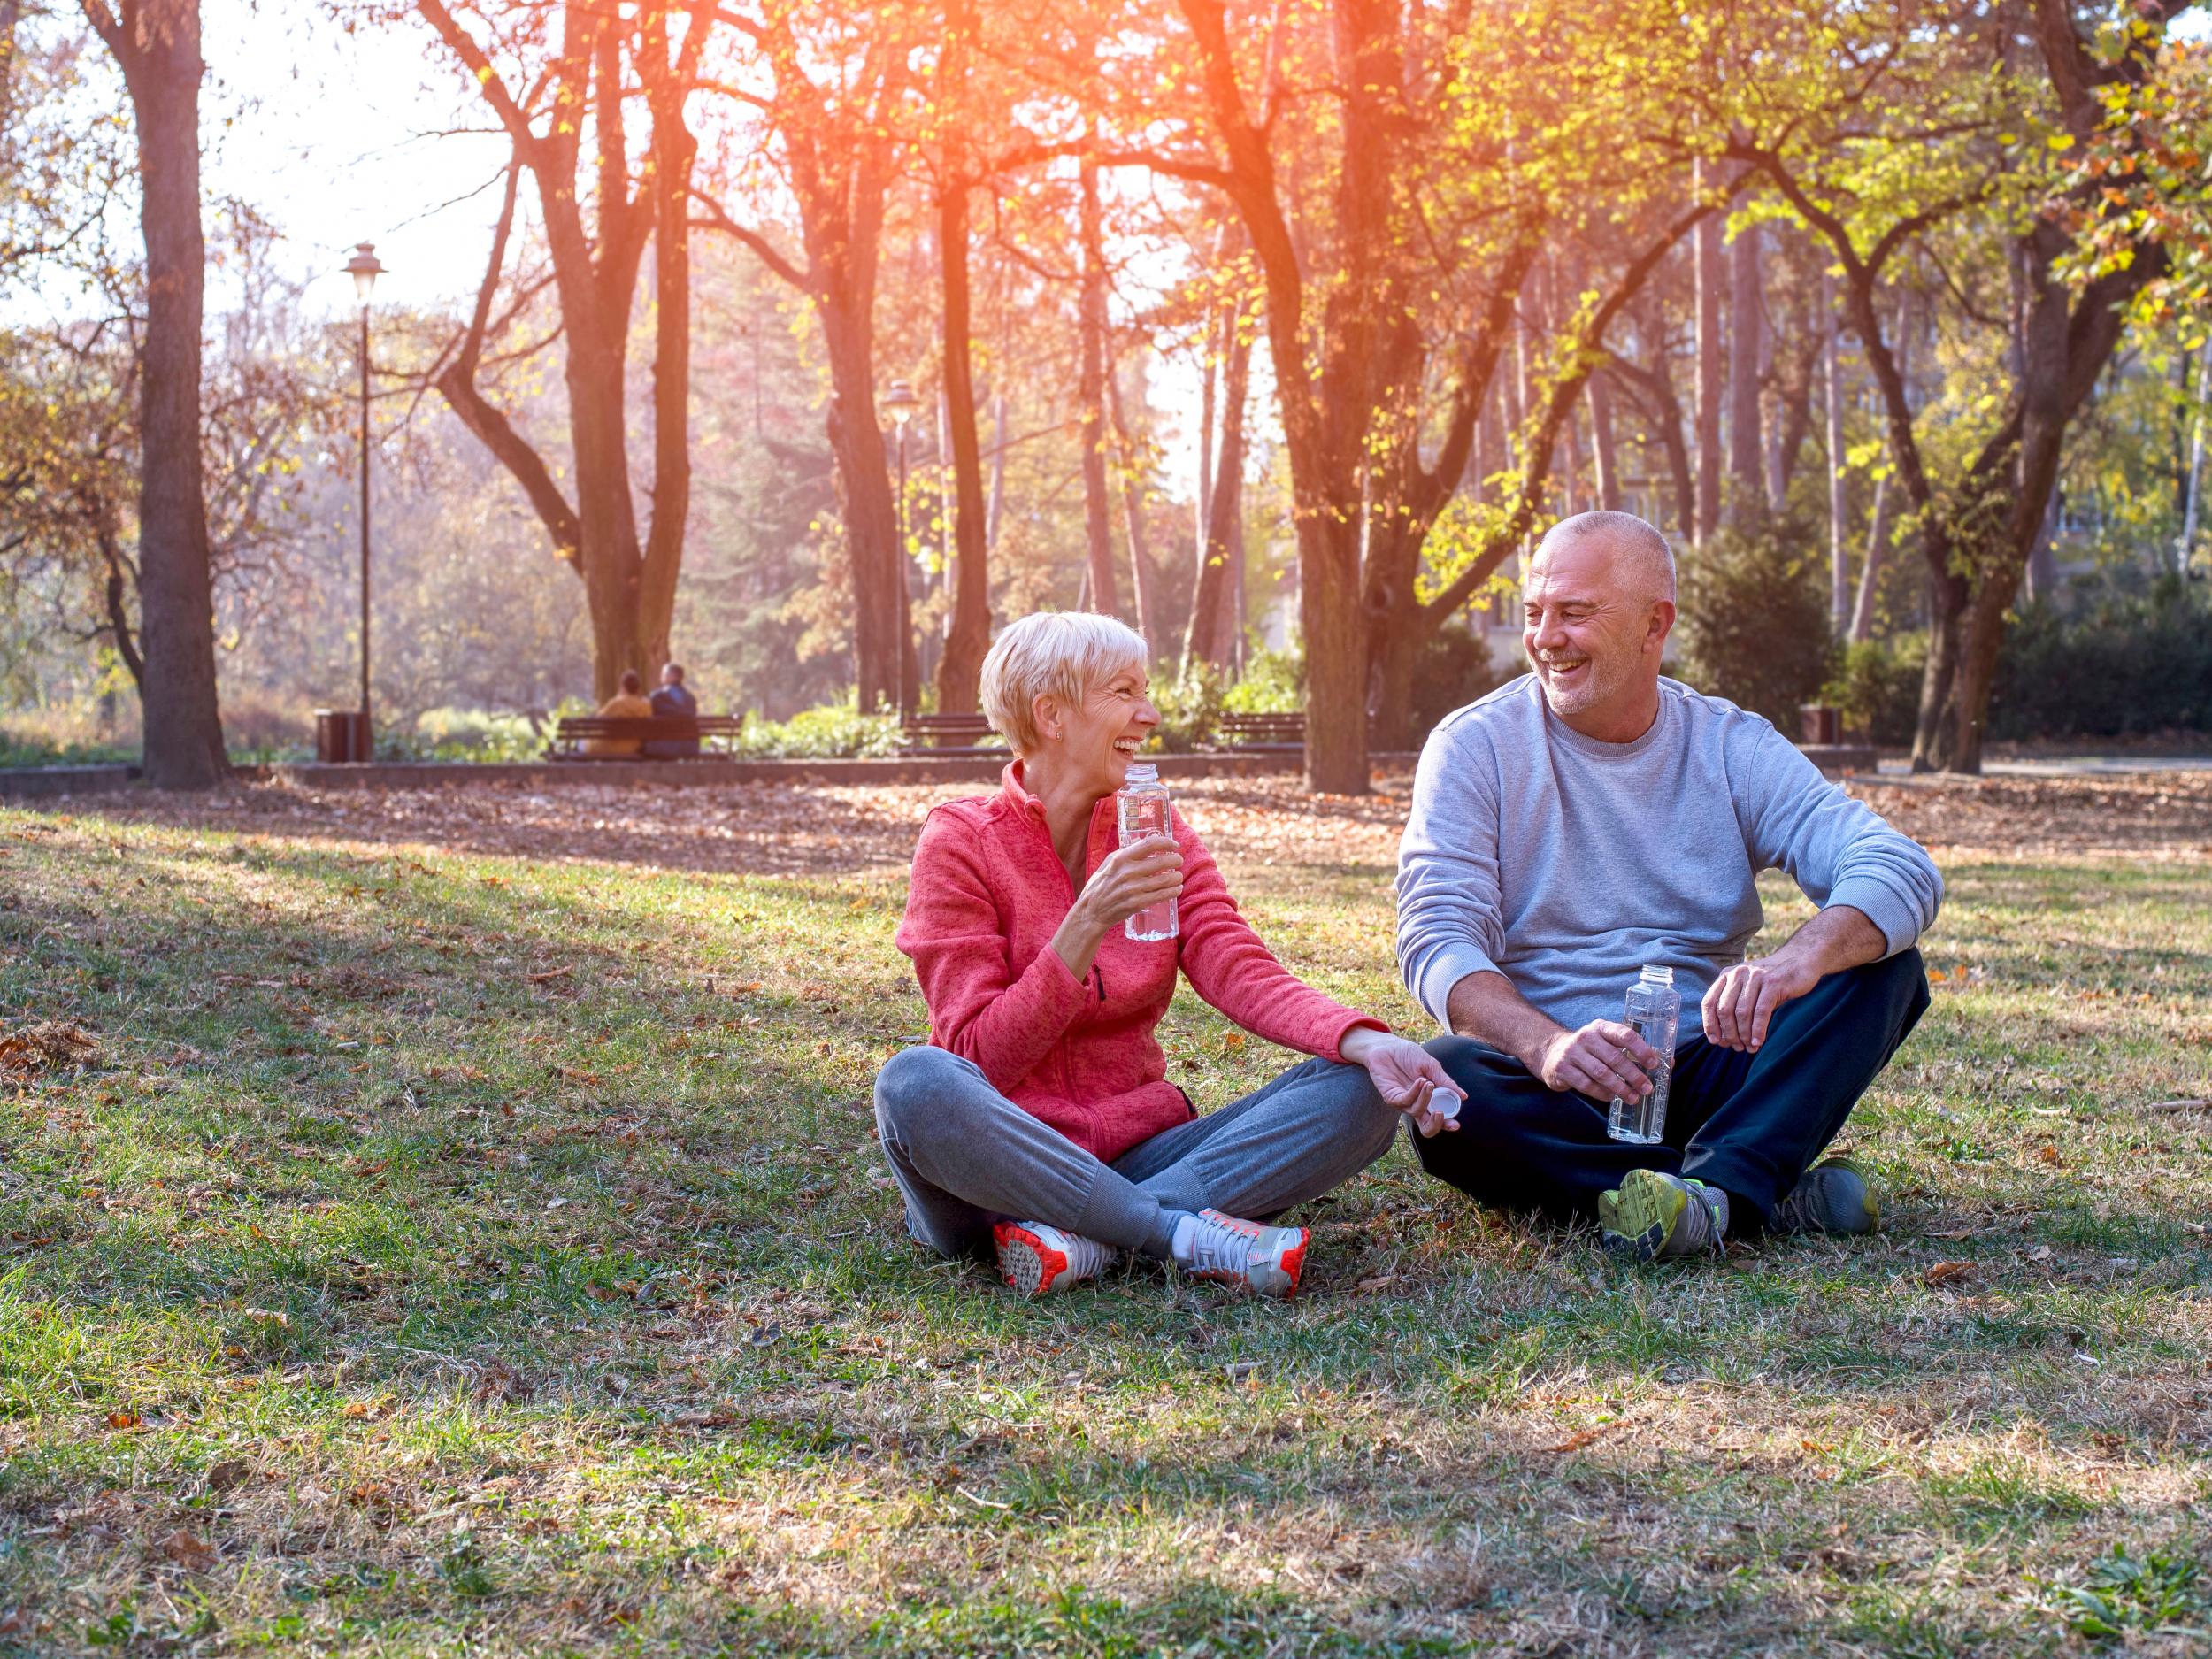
{"x":951,"y":734}
{"x":1263,"y":732}
{"x":715,"y":732}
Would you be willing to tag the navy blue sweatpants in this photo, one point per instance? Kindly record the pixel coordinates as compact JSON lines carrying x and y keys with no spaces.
{"x":1749,"y":1123}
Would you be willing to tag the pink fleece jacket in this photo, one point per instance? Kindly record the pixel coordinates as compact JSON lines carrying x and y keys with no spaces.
{"x":989,"y":892}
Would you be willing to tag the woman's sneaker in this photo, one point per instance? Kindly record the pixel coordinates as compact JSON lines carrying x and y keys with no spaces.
{"x":1834,"y":1196}
{"x":1037,"y":1260}
{"x":1654,"y":1216}
{"x":1242,"y":1255}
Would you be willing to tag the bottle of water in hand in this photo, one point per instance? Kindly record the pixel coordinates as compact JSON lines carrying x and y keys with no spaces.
{"x":1140,"y":809}
{"x":1655,"y":1008}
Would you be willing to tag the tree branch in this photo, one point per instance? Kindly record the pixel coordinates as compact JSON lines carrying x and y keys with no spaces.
{"x":718,"y":219}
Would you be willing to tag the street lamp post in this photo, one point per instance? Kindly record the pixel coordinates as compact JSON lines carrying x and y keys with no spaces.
{"x":900,"y":403}
{"x":366,"y":269}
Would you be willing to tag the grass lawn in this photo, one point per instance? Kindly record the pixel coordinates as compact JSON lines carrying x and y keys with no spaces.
{"x":418,"y":1250}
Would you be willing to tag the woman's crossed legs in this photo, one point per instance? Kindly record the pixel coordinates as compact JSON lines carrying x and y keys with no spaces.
{"x":966,"y":1157}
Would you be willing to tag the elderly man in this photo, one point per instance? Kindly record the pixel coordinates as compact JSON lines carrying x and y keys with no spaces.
{"x":1593,"y":818}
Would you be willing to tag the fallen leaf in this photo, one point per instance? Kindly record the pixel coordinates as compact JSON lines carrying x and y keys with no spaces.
{"x":189,"y":1549}
{"x":228,"y":1475}
{"x":1947,"y":1272}
{"x":125,"y":1420}
{"x":1581,"y":1437}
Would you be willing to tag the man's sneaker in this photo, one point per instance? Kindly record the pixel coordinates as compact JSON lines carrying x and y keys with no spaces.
{"x":1833,"y":1197}
{"x":1037,"y":1260}
{"x":1246,"y":1255}
{"x":1654,"y":1216}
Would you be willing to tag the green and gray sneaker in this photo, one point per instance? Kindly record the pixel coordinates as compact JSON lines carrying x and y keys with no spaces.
{"x":1654,"y":1216}
{"x":1833,"y":1197}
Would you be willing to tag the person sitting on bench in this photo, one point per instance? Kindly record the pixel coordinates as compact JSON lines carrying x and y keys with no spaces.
{"x":629,"y":704}
{"x":672,"y":700}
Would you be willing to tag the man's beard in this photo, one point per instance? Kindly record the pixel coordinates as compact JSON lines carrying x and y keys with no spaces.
{"x":1600,"y":680}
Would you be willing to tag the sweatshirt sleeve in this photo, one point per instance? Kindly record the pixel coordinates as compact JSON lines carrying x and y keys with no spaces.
{"x":979,"y":1008}
{"x":1450,"y":917}
{"x":1229,"y":965}
{"x":1838,"y":850}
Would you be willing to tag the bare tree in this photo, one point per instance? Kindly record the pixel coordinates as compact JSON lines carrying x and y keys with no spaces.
{"x":156,"y":42}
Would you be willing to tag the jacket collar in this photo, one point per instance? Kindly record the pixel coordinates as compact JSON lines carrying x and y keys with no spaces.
{"x":1015,"y":793}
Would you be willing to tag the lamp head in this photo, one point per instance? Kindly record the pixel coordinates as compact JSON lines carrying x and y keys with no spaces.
{"x":900,"y":403}
{"x":364,"y":268}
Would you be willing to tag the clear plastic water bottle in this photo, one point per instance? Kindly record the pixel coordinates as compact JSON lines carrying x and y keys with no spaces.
{"x":1140,"y":809}
{"x":1655,"y":1008}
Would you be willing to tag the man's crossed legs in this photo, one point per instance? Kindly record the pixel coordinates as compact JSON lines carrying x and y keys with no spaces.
{"x":1746,"y":1125}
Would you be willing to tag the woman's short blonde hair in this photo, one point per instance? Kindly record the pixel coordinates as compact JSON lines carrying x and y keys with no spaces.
{"x":1060,"y":652}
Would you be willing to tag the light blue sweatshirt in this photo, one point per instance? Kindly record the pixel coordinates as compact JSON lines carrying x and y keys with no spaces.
{"x":1568,"y":865}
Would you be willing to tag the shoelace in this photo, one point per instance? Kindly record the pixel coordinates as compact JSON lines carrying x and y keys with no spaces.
{"x":1222,"y":1246}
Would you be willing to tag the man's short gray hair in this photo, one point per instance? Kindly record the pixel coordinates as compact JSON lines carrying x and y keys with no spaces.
{"x":1648,"y":560}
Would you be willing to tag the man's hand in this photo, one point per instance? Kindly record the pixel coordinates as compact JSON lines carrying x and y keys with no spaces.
{"x":1742,"y":1001}
{"x":1605,"y":1060}
{"x":1406,"y":1076}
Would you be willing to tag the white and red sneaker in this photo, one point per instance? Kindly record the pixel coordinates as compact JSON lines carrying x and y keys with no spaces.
{"x":1037,"y":1260}
{"x":1246,"y":1255}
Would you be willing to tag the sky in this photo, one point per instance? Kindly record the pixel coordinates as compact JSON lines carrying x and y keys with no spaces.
{"x":331,"y":134}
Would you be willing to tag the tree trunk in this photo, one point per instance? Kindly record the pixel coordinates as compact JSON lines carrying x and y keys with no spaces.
{"x":629,"y":582}
{"x":960,"y":670}
{"x":1142,"y":588}
{"x":674,"y":150}
{"x":1831,"y":384}
{"x":1877,"y":526}
{"x":1098,"y":536}
{"x":1711,"y":367}
{"x":2066,"y":343}
{"x":162,"y":68}
{"x":1747,"y":322}
{"x":1600,"y":392}
{"x":2191,"y":508}
{"x":1204,"y":638}
{"x":1870,"y":572}
{"x":870,"y":512}
{"x":11,"y":14}
{"x":1000,"y":436}
{"x":1667,"y":423}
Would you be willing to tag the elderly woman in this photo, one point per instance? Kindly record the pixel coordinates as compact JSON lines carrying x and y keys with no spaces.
{"x":1040,"y":1119}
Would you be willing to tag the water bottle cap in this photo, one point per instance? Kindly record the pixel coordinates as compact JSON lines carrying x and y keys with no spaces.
{"x":1657,"y":976}
{"x":1143,"y":771}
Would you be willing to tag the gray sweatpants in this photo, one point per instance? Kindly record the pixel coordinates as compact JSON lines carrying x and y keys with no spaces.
{"x":965,"y":1156}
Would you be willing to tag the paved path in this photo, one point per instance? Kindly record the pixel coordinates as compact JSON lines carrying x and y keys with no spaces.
{"x":2062,"y":766}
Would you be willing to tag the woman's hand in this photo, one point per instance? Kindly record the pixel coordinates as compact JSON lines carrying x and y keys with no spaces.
{"x":1131,"y":879}
{"x":1128,"y":880}
{"x":1406,"y":1076}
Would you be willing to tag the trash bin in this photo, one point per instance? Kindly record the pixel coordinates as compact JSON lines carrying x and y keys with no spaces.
{"x":1820,"y":724}
{"x":341,"y":737}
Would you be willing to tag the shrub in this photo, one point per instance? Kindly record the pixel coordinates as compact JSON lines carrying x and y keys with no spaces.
{"x":1455,"y":670}
{"x":1754,"y":625}
{"x":476,"y":734}
{"x":2131,"y":663}
{"x":1274,"y":682}
{"x":1190,"y":708}
{"x":1877,"y":685}
{"x":836,"y":731}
